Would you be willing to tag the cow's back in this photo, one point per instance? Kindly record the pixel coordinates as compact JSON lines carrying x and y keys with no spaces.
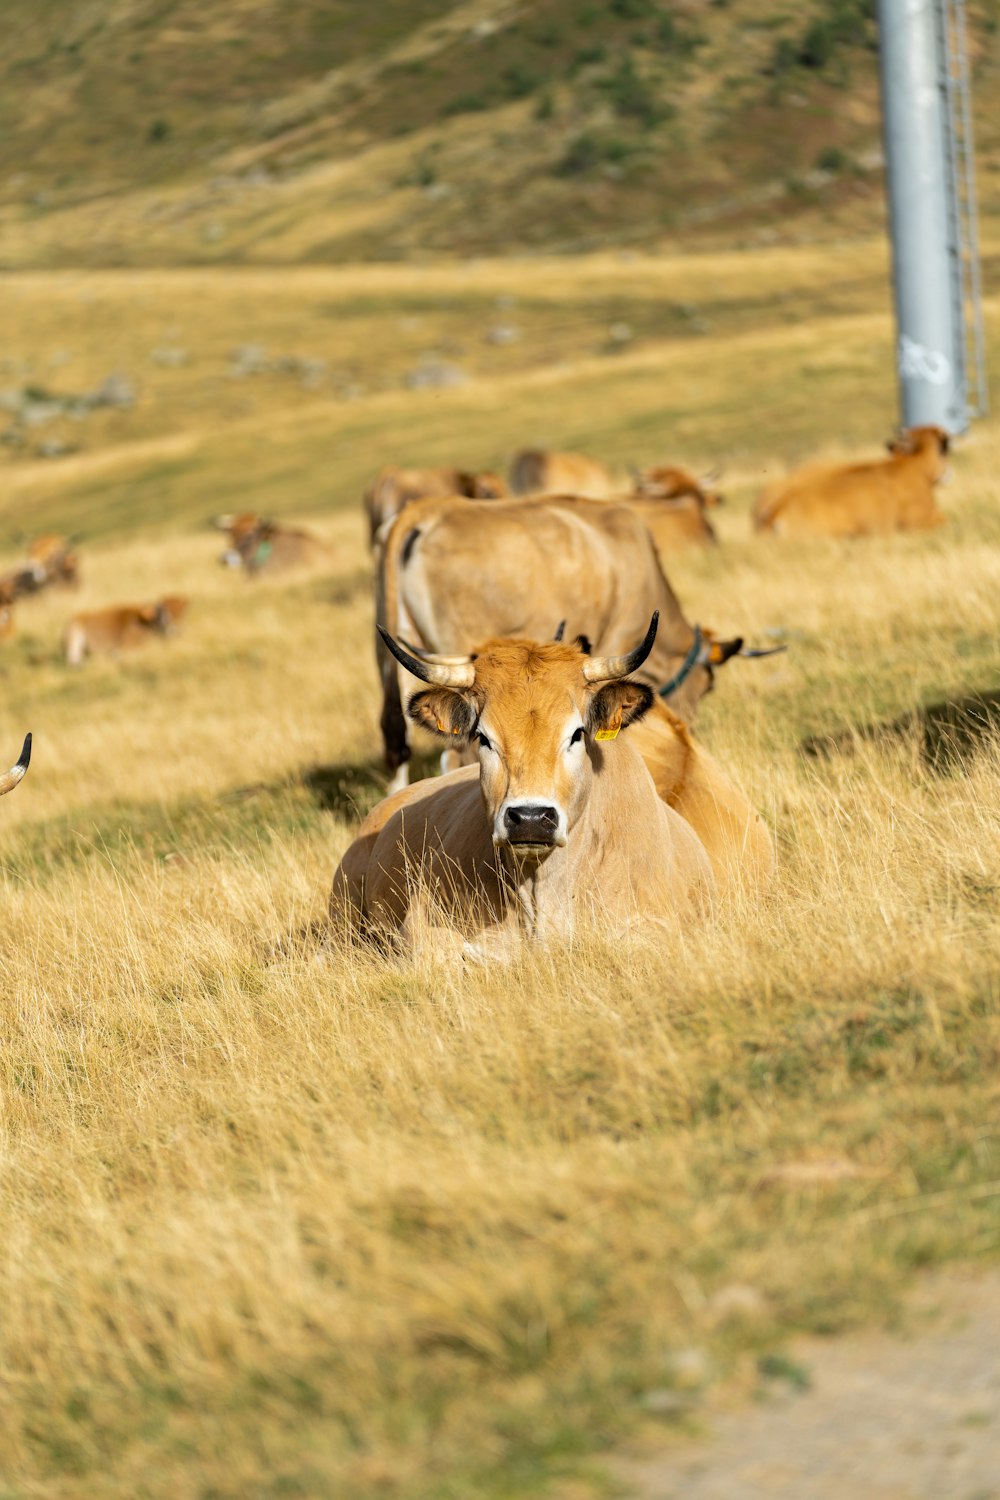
{"x":520,"y":567}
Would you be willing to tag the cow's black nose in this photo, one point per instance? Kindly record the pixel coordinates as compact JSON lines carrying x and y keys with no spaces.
{"x":531,"y":823}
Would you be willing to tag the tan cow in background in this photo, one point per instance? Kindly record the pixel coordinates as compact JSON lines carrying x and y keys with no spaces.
{"x":558,"y":827}
{"x":673,"y":524}
{"x":450,"y":572}
{"x":51,"y":560}
{"x":9,"y":779}
{"x":861,"y":499}
{"x":57,"y":558}
{"x":120,"y":628}
{"x":258,"y":545}
{"x":534,"y":471}
{"x":671,"y":483}
{"x":392,"y":488}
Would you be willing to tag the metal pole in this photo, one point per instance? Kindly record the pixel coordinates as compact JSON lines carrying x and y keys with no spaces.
{"x":925,"y":254}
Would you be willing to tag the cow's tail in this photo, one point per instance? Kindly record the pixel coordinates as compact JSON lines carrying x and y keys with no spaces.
{"x":389,"y":543}
{"x":525,"y":471}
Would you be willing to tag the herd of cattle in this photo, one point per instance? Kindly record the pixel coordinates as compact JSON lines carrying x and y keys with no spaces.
{"x":541,"y":626}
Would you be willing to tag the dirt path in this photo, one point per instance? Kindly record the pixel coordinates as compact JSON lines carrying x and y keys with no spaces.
{"x":883,"y":1418}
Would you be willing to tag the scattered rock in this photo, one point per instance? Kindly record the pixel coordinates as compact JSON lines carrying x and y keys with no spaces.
{"x":503,"y":333}
{"x":117,"y":390}
{"x":54,"y":448}
{"x":665,"y":1403}
{"x":38,"y":413}
{"x":169,"y":356}
{"x":436,"y":375}
{"x":620,"y":333}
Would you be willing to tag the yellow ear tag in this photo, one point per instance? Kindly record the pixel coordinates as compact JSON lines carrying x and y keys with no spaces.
{"x":611,"y":733}
{"x":442,"y":730}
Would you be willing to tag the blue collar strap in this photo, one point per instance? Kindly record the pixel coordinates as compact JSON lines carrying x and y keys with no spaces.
{"x":686,"y":667}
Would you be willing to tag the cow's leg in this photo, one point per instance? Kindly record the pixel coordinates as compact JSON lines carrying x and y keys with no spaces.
{"x":76,"y":645}
{"x":393,"y":723}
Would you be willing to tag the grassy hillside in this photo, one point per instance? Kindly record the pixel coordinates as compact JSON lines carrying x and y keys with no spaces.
{"x":152,"y":133}
{"x":285,"y":1224}
{"x":279,"y":1222}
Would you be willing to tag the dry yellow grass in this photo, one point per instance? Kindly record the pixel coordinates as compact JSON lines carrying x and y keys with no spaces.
{"x":278,"y":1222}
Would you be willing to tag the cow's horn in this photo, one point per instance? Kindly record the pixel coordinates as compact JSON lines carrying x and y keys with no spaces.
{"x":434,"y":657}
{"x":457,"y":673}
{"x":607,"y":668}
{"x":560,"y":631}
{"x":10,"y":779}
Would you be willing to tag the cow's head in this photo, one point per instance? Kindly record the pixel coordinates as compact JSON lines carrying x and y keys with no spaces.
{"x":54,"y":559}
{"x":487,"y":486}
{"x":932,"y":441}
{"x":676,"y":484}
{"x":250,"y":540}
{"x":164,"y":616}
{"x":538,"y":716}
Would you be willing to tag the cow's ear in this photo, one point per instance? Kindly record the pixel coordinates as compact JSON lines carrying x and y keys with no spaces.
{"x":444,"y":711}
{"x":148,"y":613}
{"x":615,"y":706}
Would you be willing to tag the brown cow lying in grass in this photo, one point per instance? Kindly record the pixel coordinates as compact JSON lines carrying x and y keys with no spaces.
{"x":9,"y":779}
{"x":558,"y":827}
{"x":120,"y":628}
{"x":392,"y":488}
{"x":51,"y":560}
{"x":861,"y":499}
{"x":258,"y":545}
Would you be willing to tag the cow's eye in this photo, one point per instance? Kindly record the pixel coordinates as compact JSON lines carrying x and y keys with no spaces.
{"x":576,"y":736}
{"x":484,"y":741}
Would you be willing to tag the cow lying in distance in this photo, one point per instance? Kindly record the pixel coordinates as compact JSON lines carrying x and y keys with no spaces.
{"x":258,"y":545}
{"x":9,"y":779}
{"x":51,"y":560}
{"x":557,"y":828}
{"x":57,"y":557}
{"x":861,"y":499}
{"x":450,"y":571}
{"x":120,"y":628}
{"x":392,"y":488}
{"x":535,"y":471}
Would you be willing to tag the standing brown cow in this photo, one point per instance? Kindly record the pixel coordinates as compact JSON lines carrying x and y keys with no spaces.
{"x":450,"y":572}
